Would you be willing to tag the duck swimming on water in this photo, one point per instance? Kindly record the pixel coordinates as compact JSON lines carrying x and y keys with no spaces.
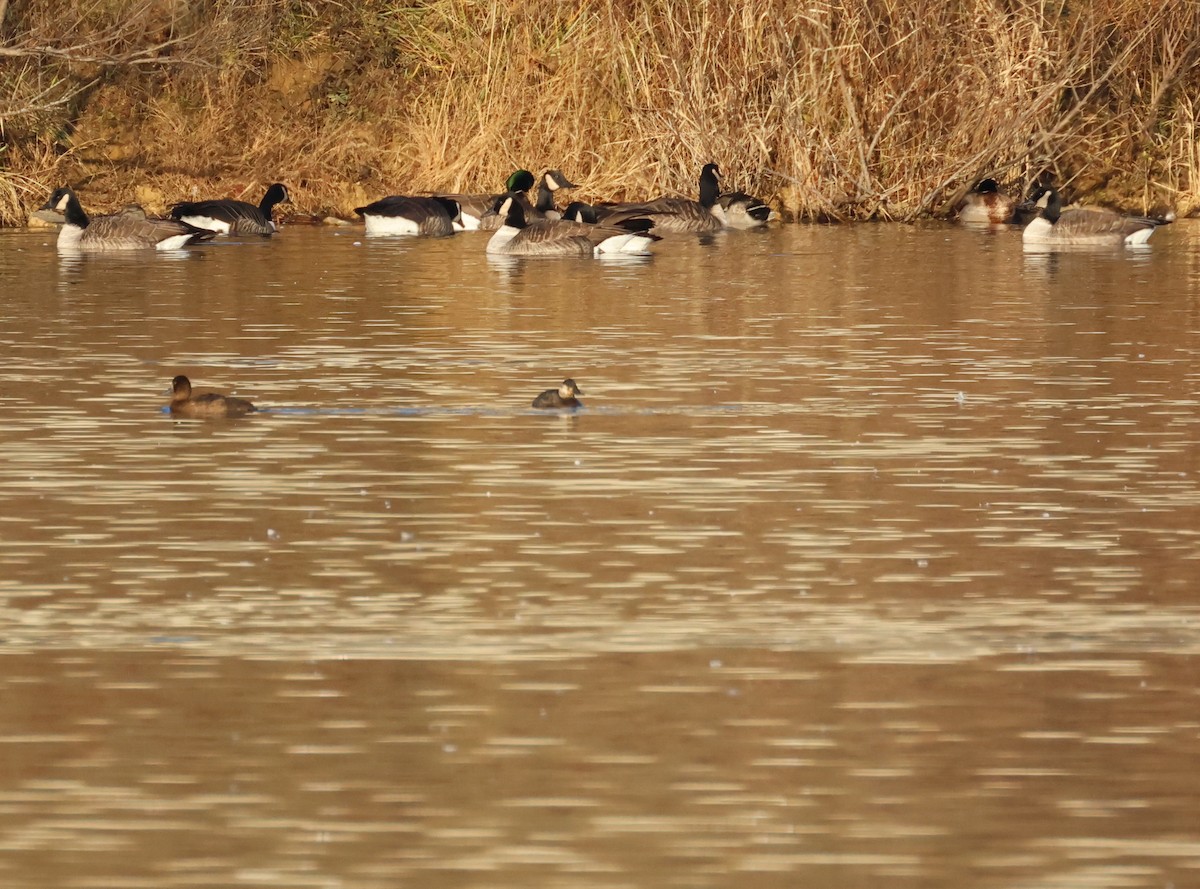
{"x":562,"y":397}
{"x":206,"y":405}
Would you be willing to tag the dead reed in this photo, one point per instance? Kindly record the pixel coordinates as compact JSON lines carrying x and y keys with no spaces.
{"x":855,"y":109}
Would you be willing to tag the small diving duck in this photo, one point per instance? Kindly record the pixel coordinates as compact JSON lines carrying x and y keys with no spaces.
{"x":207,"y":405}
{"x":562,"y":397}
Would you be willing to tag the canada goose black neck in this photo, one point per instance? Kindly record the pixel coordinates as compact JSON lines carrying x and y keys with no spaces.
{"x":65,"y":201}
{"x":453,"y":208}
{"x":1051,"y":204}
{"x":988,"y":186}
{"x":551,"y":181}
{"x":545,"y":198}
{"x":578,"y":211}
{"x":276,"y":194}
{"x":710,"y":185}
{"x":513,"y":213}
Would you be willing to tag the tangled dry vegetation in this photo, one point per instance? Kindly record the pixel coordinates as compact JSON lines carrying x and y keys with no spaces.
{"x":834,"y":109}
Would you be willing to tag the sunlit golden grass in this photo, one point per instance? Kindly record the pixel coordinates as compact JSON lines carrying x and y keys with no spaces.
{"x":855,"y":109}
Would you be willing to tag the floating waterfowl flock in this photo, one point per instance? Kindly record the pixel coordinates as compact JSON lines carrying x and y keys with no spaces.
{"x":525,"y":228}
{"x":1041,"y":215}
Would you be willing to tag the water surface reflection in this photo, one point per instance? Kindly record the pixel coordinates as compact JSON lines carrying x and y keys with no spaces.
{"x":871,"y":558}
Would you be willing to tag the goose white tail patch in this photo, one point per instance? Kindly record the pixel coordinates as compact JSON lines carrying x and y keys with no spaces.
{"x":220,"y":226}
{"x":391,"y":225}
{"x":175,"y":242}
{"x":633,"y":243}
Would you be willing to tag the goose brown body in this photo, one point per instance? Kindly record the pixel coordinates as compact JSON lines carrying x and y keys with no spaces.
{"x":1085,"y":226}
{"x":233,"y":217}
{"x":412,"y":215}
{"x":130,"y":229}
{"x":562,"y":237}
{"x":675,"y":214}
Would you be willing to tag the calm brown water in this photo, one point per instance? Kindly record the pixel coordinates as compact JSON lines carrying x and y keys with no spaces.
{"x":874,"y":560}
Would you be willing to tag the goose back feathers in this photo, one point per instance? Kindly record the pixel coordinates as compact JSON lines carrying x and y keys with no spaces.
{"x":1085,"y":226}
{"x":561,"y":237}
{"x":231,"y":217}
{"x":130,"y":229}
{"x":674,"y":214}
{"x":412,"y":215}
{"x":475,"y":206}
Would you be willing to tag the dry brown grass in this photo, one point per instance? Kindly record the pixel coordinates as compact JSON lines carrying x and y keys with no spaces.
{"x":852,"y":109}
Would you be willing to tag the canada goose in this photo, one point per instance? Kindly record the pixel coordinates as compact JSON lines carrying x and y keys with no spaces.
{"x":474,"y":206}
{"x":131,"y":229}
{"x":671,"y":214}
{"x":739,"y":210}
{"x":230,"y":217}
{"x":1085,"y":226}
{"x":549,"y":183}
{"x":209,"y":404}
{"x":405,"y":215}
{"x":578,"y":211}
{"x":559,"y":237}
{"x":562,"y":397}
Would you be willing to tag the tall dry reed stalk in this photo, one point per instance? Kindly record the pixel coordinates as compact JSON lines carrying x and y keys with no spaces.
{"x":853,"y":109}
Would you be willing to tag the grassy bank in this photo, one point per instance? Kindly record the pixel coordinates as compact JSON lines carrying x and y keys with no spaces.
{"x":850,"y":110}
